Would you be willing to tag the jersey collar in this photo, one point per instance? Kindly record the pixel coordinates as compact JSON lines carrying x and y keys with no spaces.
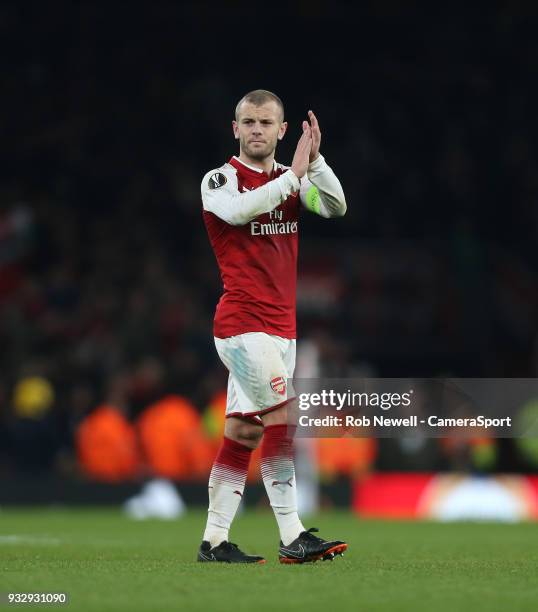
{"x":235,"y":161}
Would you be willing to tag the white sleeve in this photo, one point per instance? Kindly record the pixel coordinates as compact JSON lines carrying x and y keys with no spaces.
{"x":221,"y":195}
{"x":321,"y":192}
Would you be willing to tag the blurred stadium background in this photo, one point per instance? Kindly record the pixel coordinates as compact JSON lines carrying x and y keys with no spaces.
{"x":109,"y":119}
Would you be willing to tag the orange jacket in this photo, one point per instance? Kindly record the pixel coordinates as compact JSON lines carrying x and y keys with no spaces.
{"x":172,"y":440}
{"x":106,"y":445}
{"x":345,"y":456}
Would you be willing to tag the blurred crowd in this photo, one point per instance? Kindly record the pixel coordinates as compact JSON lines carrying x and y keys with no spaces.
{"x":107,"y":282}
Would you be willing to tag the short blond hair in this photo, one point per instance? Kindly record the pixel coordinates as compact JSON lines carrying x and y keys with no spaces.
{"x":259,"y":97}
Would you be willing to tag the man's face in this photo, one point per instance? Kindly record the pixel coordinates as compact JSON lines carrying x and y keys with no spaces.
{"x":259,"y":128}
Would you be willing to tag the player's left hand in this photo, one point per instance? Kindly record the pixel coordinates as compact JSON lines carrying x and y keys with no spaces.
{"x":316,"y":136}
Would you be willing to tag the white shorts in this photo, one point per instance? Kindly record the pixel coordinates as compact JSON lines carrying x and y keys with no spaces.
{"x":260,"y":366}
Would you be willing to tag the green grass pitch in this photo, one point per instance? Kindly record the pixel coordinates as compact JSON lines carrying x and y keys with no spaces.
{"x":107,"y":562}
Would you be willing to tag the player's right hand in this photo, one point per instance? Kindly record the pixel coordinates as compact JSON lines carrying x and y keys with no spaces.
{"x":300,"y":162}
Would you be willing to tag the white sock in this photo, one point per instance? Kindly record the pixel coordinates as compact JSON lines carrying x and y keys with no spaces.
{"x":223,"y":504}
{"x":278,"y":474}
{"x":226,"y":487}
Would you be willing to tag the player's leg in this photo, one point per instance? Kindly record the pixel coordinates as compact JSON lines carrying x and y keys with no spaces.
{"x":229,"y":471}
{"x":228,"y":477}
{"x":297,"y":545}
{"x":226,"y":487}
{"x":278,"y":473}
{"x":277,"y":464}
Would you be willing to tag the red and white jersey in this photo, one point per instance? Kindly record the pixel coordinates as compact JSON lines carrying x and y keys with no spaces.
{"x":252,"y":220}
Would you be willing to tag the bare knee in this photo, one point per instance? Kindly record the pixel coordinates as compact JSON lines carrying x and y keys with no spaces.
{"x":282,"y":415}
{"x":244,"y":432}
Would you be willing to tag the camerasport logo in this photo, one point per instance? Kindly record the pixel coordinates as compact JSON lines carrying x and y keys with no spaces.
{"x":278,"y":385}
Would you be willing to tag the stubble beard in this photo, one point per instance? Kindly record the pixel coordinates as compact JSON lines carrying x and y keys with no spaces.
{"x":259,"y":154}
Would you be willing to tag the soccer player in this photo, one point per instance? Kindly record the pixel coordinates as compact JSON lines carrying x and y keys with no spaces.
{"x":251,"y":210}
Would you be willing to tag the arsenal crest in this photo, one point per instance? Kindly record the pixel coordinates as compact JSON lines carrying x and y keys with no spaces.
{"x":278,"y":385}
